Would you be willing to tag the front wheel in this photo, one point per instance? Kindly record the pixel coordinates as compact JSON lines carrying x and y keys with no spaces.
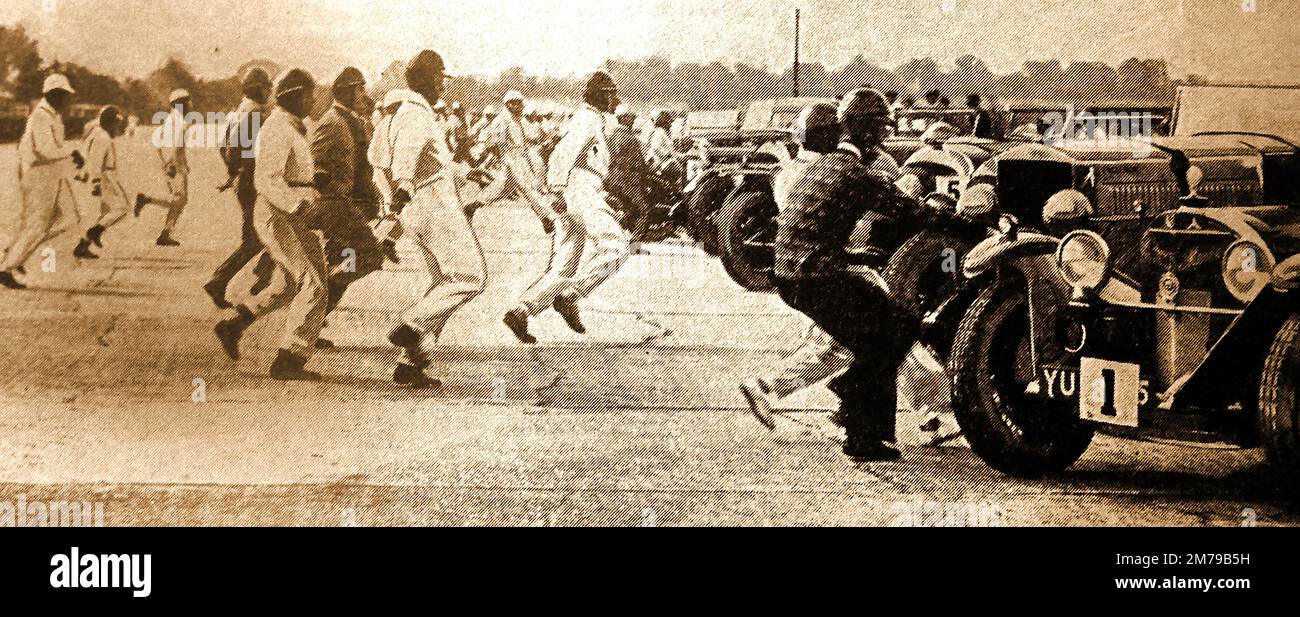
{"x":702,"y":205}
{"x":746,"y":233}
{"x":925,"y":272}
{"x":1013,"y":431}
{"x":1279,"y":425}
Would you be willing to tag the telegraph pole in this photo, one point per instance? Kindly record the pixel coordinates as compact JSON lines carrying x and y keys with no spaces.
{"x":796,"y":52}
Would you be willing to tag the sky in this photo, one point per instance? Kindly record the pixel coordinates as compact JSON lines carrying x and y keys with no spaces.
{"x":1237,"y":40}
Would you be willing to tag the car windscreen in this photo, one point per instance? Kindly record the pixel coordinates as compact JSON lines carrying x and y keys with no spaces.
{"x":914,"y":124}
{"x":705,"y":120}
{"x":758,"y":116}
{"x":1275,"y":111}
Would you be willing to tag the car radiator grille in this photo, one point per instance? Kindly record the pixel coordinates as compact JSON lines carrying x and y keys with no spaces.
{"x":1113,"y":200}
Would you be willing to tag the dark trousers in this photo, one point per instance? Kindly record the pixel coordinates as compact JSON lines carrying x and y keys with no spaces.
{"x":859,"y":315}
{"x":631,"y":202}
{"x":249,"y":245}
{"x":352,"y":251}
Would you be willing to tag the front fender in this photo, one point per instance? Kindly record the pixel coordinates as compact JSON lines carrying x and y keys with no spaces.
{"x":1286,"y":276}
{"x":959,"y":163}
{"x":719,"y":171}
{"x":1241,"y":352}
{"x":997,"y":250}
{"x":1030,"y":259}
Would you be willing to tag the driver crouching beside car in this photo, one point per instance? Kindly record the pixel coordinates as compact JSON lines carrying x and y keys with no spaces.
{"x":812,"y":275}
{"x":818,"y":356}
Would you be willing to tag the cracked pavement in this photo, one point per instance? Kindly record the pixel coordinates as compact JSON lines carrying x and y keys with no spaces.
{"x":637,"y":423}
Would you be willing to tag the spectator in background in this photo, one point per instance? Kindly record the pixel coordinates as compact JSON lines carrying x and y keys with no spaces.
{"x":628,"y":172}
{"x":660,"y":152}
{"x":175,"y":164}
{"x":509,"y":139}
{"x":983,"y":121}
{"x":484,"y":121}
{"x":895,"y":105}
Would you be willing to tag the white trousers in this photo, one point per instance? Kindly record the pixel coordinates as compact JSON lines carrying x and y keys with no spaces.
{"x":435,"y":221}
{"x":817,"y":358}
{"x":113,"y":202}
{"x":517,"y":170}
{"x":178,"y":196}
{"x":299,"y":282}
{"x":588,"y":221}
{"x":48,"y":209}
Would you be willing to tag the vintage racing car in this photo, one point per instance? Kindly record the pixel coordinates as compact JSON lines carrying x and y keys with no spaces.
{"x":765,"y":141}
{"x":1170,"y":312}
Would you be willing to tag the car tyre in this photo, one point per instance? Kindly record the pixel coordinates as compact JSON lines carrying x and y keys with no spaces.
{"x":916,"y":274}
{"x":704,"y":203}
{"x":1010,"y":431}
{"x":1279,"y":426}
{"x":747,"y":217}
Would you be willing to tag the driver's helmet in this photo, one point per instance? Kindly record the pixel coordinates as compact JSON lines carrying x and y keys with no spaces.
{"x":817,"y":127}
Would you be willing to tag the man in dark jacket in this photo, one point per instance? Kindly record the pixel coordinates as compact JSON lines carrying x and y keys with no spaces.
{"x":823,"y":208}
{"x":628,"y":171}
{"x":237,"y":152}
{"x":347,"y":198}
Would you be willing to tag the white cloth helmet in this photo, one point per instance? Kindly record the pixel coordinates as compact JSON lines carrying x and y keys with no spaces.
{"x":57,"y":81}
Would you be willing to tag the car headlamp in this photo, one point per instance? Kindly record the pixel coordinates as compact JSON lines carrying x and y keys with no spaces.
{"x":1083,"y":259}
{"x":977,"y":201}
{"x":1247,"y":268}
{"x":1067,"y":205}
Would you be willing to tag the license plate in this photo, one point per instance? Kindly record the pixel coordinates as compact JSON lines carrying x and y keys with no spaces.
{"x":1106,"y":391}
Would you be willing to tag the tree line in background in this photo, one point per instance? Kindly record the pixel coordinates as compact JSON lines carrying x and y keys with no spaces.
{"x":656,"y":82}
{"x":23,"y":70}
{"x":651,"y":82}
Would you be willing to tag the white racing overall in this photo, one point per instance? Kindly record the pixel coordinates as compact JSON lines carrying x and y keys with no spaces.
{"x":435,"y":219}
{"x":48,"y":205}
